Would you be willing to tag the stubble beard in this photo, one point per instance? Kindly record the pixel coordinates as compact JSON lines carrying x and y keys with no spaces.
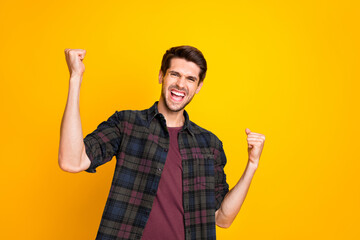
{"x":168,"y":105}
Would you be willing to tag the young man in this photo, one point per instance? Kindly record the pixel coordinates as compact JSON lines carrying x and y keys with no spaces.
{"x":169,"y":181}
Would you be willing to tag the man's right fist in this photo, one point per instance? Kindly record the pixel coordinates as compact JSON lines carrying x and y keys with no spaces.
{"x":74,"y":58}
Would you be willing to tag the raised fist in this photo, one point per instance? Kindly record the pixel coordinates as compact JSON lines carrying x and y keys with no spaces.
{"x":74,"y":58}
{"x":255,"y":145}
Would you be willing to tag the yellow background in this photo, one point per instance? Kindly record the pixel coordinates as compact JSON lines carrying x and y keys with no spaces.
{"x":286,"y":69}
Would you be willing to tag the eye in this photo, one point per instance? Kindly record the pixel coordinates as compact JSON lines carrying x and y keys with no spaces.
{"x":174,"y":74}
{"x":191,"y":79}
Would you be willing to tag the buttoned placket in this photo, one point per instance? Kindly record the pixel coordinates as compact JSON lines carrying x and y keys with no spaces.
{"x":182,"y":131}
{"x":194,"y":161}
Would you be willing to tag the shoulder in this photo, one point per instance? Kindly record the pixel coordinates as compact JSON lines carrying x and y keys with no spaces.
{"x":137,"y":117}
{"x":130,"y":113}
{"x":206,"y":135}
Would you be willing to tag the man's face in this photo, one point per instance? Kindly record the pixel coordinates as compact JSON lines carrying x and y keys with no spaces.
{"x":179,"y":84}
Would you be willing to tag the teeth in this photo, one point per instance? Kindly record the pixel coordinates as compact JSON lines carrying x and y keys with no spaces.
{"x":178,"y":94}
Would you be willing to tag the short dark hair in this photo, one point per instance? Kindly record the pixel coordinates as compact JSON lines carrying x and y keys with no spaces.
{"x":188,"y":53}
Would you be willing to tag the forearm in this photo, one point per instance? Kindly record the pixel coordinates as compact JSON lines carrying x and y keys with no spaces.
{"x":234,"y":199}
{"x":71,"y":136}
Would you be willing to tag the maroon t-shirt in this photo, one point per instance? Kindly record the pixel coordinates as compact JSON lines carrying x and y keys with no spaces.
{"x":166,"y":220}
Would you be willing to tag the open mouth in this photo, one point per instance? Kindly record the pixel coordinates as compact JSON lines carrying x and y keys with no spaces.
{"x":177,"y":95}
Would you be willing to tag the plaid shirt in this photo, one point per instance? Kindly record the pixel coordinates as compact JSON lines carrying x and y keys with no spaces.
{"x":140,"y":141}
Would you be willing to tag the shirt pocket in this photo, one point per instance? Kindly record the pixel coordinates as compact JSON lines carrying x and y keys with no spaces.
{"x":205,"y":171}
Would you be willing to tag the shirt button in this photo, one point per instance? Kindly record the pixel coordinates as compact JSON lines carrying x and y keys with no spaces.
{"x":159,"y":169}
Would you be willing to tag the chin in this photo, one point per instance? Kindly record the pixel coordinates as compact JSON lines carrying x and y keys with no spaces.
{"x":175,"y":107}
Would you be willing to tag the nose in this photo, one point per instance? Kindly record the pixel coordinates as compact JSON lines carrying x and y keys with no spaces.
{"x":180,"y":82}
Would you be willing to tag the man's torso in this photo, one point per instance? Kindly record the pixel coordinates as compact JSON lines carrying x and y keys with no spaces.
{"x":141,"y":146}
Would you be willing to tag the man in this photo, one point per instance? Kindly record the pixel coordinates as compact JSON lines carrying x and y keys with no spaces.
{"x":169,"y":181}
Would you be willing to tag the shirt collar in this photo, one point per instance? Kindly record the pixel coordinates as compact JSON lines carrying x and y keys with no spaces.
{"x":153,"y":112}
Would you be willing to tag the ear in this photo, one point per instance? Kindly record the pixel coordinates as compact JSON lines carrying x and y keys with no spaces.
{"x":160,"y":76}
{"x":199,"y":86}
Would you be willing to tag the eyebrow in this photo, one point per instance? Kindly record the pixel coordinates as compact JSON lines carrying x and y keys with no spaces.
{"x":191,"y":77}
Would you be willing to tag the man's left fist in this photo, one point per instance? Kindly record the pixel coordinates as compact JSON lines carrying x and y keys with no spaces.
{"x":255,"y":146}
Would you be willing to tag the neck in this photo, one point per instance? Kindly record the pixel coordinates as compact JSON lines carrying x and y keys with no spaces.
{"x":173,"y":119}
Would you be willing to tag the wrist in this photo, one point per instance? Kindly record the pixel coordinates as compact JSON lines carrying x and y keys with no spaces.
{"x":252,"y":166}
{"x":75,"y":81}
{"x":76,"y":77}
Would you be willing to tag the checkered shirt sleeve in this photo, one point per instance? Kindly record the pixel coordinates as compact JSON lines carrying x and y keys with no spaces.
{"x":221,"y":186}
{"x":104,"y":142}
